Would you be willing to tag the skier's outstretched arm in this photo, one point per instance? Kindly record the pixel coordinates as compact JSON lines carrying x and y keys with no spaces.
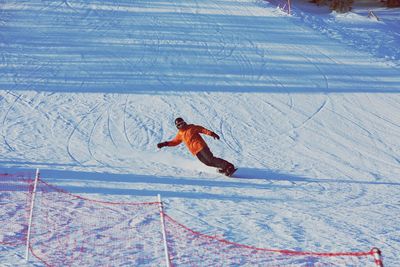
{"x":174,"y":142}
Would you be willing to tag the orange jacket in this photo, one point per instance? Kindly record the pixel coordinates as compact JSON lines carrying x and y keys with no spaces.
{"x":190,"y":135}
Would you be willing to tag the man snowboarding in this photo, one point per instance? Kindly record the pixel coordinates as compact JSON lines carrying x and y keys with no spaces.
{"x":190,"y":135}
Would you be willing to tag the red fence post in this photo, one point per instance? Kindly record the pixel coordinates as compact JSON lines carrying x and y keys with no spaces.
{"x":377,"y":256}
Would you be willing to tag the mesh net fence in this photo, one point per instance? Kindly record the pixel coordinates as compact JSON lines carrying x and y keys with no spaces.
{"x":214,"y":251}
{"x":14,"y":207}
{"x":70,"y":230}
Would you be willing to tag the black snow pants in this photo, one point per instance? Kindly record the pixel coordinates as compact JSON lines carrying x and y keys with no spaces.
{"x":207,"y":157}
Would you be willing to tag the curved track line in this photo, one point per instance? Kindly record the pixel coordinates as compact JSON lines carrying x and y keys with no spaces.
{"x":125,"y":129}
{"x":89,"y":140}
{"x":76,"y":128}
{"x":9,"y":147}
{"x":109,"y":128}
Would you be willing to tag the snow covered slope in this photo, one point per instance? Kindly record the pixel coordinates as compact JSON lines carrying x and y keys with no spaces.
{"x":91,"y":87}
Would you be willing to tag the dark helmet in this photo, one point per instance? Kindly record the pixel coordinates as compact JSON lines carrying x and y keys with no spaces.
{"x":179,"y":122}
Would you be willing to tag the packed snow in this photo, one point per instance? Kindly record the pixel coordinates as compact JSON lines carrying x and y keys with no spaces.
{"x":307,"y":106}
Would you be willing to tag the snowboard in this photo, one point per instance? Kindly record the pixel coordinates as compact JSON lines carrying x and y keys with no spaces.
{"x":231,"y":173}
{"x":227,"y":174}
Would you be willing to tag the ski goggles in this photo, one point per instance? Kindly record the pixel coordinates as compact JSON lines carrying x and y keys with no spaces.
{"x":180,"y":123}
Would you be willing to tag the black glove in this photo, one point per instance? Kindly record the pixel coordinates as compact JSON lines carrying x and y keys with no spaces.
{"x":215,"y":136}
{"x":163,"y":144}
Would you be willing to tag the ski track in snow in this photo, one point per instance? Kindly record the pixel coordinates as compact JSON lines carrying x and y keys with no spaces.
{"x":92,"y":87}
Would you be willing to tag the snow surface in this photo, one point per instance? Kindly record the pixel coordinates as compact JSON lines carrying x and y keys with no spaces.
{"x":307,"y":106}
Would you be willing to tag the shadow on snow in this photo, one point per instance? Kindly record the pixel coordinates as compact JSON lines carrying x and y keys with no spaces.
{"x":242,"y":180}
